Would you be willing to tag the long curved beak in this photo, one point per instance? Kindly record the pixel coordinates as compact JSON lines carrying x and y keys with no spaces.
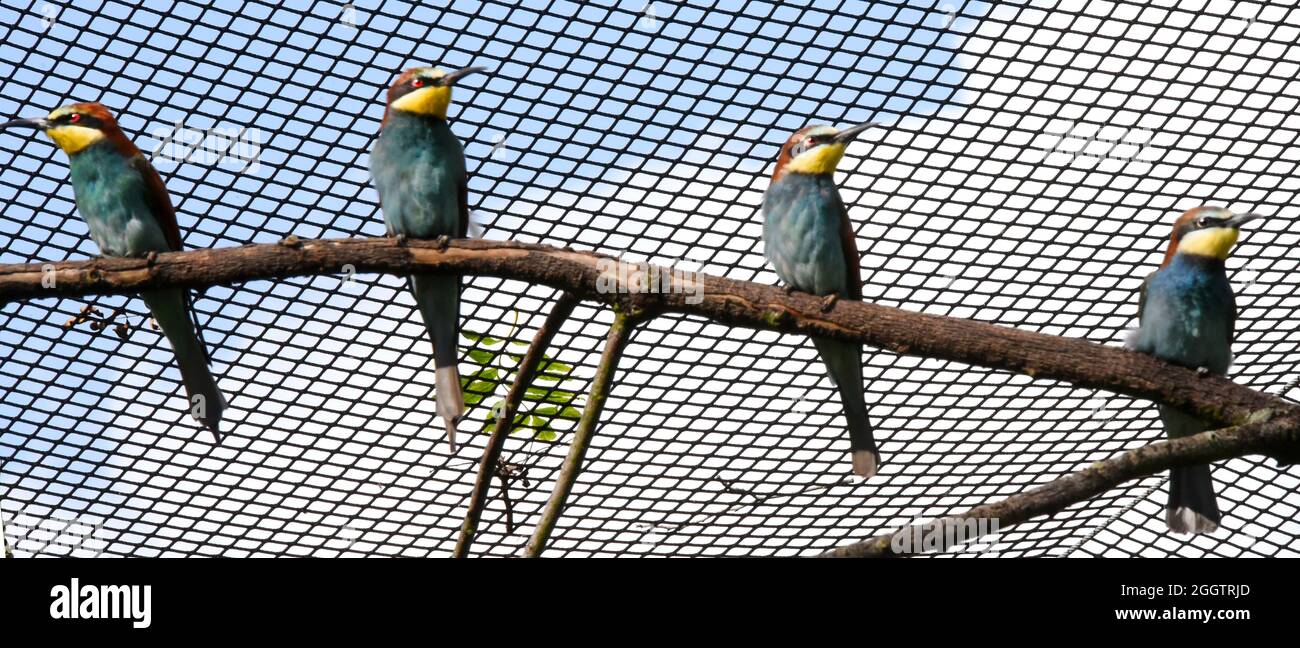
{"x":39,"y":124}
{"x":452,"y":77}
{"x":1241,"y":219}
{"x":849,"y":134}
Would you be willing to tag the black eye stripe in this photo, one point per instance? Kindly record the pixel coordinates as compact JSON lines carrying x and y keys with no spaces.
{"x":411,"y":86}
{"x":1199,"y":223}
{"x":803,"y":144}
{"x":81,"y":120}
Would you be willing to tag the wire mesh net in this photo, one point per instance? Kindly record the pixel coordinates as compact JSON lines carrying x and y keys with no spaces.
{"x":1034,"y":156}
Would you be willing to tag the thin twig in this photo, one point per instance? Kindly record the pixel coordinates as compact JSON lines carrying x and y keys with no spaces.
{"x":600,"y":384}
{"x":504,"y":476}
{"x":505,"y":421}
{"x":1279,"y":436}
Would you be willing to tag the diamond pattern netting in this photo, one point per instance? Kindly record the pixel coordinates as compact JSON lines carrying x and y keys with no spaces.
{"x":1034,"y":157}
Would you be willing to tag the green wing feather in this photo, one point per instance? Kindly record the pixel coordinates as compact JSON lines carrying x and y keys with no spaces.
{"x":160,"y":205}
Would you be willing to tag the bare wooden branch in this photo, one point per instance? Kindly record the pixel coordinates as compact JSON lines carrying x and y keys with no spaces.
{"x":1278,"y":436}
{"x":619,"y":332}
{"x":589,"y":276}
{"x":505,"y":420}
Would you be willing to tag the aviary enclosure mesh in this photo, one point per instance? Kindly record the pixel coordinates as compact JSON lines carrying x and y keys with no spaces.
{"x":1034,"y":156}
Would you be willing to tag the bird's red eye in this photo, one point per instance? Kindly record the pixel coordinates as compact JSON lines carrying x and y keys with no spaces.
{"x":417,"y":83}
{"x":74,"y":118}
{"x":809,"y":142}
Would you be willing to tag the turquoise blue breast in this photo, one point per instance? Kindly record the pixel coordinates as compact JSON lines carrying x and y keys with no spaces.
{"x":418,"y":167}
{"x":802,"y":215}
{"x":110,"y":197}
{"x":1189,"y":314}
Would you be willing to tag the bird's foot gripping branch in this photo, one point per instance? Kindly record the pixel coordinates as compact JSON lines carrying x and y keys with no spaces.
{"x":1262,"y":424}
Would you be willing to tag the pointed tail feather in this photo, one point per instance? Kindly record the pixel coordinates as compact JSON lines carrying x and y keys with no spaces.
{"x":1192,"y":504}
{"x":170,"y":308}
{"x":844,"y":362}
{"x":439,"y":300}
{"x":865,"y":462}
{"x":450,"y":402}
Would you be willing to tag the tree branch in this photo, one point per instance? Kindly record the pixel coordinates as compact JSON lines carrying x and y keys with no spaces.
{"x":589,"y":276}
{"x":1278,"y":436}
{"x":582,"y":434}
{"x":505,"y":420}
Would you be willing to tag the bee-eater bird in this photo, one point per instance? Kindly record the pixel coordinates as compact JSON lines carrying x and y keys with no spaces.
{"x":808,"y":238}
{"x":1187,"y":315}
{"x":129,"y":214}
{"x":418,"y":168}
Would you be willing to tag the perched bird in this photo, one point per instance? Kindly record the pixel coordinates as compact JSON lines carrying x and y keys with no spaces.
{"x":126,"y":207}
{"x":418,"y":168}
{"x":1186,"y":315}
{"x":809,"y":240}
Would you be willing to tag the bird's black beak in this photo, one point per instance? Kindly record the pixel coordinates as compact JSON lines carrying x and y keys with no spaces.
{"x":849,"y":134}
{"x":452,"y":77}
{"x":1241,"y":219}
{"x":38,"y":124}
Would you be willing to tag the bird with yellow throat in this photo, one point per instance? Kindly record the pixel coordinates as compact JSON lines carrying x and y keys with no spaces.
{"x":1187,"y":315}
{"x":810,"y":242}
{"x":129,"y":214}
{"x":418,"y":167}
